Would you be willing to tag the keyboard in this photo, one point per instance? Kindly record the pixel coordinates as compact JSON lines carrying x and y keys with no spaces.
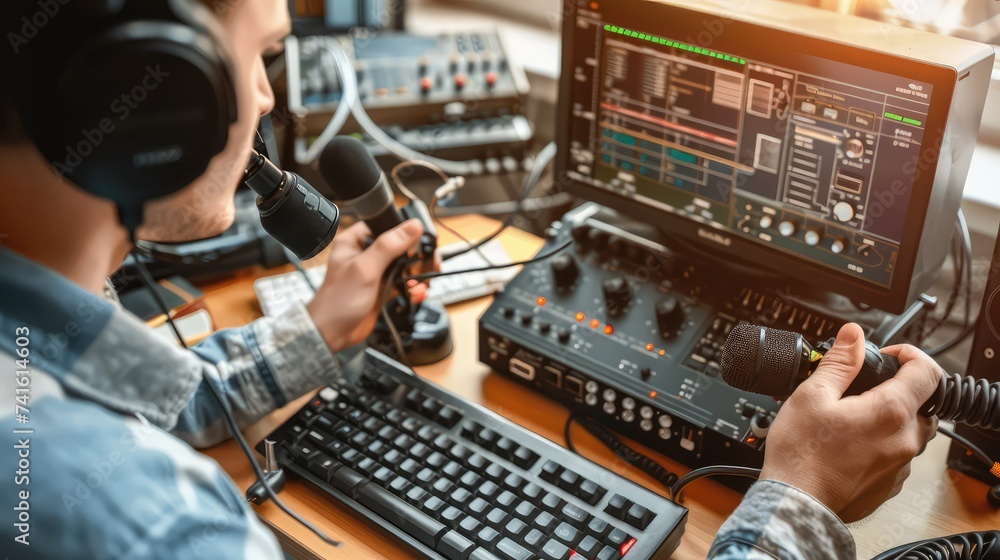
{"x":277,"y":293}
{"x":453,"y":480}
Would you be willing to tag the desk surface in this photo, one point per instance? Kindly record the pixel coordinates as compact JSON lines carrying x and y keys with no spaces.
{"x":934,"y":502}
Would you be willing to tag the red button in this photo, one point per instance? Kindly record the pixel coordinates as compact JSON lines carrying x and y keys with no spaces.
{"x":460,"y":81}
{"x":627,"y":546}
{"x":491,"y":79}
{"x":425,"y":84}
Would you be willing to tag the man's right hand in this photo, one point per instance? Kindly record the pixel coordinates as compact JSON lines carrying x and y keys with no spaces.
{"x":852,"y":453}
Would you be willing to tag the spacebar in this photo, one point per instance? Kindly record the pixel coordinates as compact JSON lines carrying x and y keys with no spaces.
{"x":401,"y":514}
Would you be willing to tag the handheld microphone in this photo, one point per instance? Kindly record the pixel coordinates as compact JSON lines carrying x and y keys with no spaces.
{"x":773,"y":362}
{"x":355,"y":179}
{"x":291,"y":210}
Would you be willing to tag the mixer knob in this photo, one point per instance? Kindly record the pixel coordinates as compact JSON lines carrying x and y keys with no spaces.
{"x":526,"y":319}
{"x":812,"y":237}
{"x":837,"y":246}
{"x":508,"y":312}
{"x":565,"y":335}
{"x":617,"y":295}
{"x":843,"y":211}
{"x":766,"y":221}
{"x":786,"y":228}
{"x":565,"y":272}
{"x":854,"y":148}
{"x":669,"y":316}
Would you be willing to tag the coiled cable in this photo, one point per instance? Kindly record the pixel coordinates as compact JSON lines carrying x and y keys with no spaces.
{"x":970,"y":401}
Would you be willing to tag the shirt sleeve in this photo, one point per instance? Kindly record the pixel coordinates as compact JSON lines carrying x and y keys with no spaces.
{"x":776,"y":520}
{"x":257,"y":368}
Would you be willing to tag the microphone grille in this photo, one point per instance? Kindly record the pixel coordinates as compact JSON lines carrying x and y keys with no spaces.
{"x":739,"y":356}
{"x":776,"y":351}
{"x":348,"y":169}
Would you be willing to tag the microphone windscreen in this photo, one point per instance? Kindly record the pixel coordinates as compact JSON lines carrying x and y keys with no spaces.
{"x":774,"y":350}
{"x":348,"y":169}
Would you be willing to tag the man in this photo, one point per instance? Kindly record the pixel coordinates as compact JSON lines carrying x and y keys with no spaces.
{"x":102,"y":473}
{"x":100,"y":476}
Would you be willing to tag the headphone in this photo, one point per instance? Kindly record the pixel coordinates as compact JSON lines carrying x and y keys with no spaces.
{"x":128,"y":99}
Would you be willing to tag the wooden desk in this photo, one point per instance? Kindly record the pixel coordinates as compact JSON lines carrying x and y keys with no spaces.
{"x":934,"y":502}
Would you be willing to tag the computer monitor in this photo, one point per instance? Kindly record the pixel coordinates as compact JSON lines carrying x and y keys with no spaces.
{"x":827,"y":148}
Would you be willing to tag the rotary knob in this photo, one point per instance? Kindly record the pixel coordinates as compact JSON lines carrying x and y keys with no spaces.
{"x":786,"y":228}
{"x":669,"y":316}
{"x":812,"y":237}
{"x":766,"y":221}
{"x":617,"y":295}
{"x":565,"y":272}
{"x":843,"y":211}
{"x":854,"y":148}
{"x":837,"y":246}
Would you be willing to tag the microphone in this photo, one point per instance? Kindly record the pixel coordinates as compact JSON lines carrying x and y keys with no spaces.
{"x":291,"y":210}
{"x":355,"y":180}
{"x":773,"y":362}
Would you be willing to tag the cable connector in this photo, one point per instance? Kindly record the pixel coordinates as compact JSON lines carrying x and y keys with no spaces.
{"x":274,"y":477}
{"x":450,"y":187}
{"x":995,"y":469}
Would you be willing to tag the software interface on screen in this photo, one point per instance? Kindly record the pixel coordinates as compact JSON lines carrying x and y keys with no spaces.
{"x":810,"y":156}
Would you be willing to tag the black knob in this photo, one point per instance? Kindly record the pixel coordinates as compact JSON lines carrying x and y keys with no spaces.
{"x":544,"y":328}
{"x":564,"y":336}
{"x":508,"y":312}
{"x":669,"y":316}
{"x":565,"y":271}
{"x":617,"y":295}
{"x":526,"y":319}
{"x":993,"y":496}
{"x":646,"y":373}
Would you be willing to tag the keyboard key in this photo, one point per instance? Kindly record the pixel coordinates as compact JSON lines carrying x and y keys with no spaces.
{"x":616,"y":538}
{"x":513,"y":482}
{"x":427,"y":476}
{"x":567,"y":534}
{"x":477,"y":463}
{"x":454,"y":546}
{"x":638,"y":516}
{"x":427,"y":433}
{"x":545,"y":522}
{"x":469,"y":525}
{"x":569,"y":481}
{"x":443,"y":443}
{"x":506,"y":500}
{"x":470,"y":429}
{"x":552,"y":502}
{"x":482,"y":554}
{"x":451,"y":516}
{"x":347,"y":480}
{"x":555,"y":550}
{"x":496,"y":472}
{"x":515,"y":528}
{"x":403,"y":515}
{"x":532,"y":492}
{"x":550,"y":471}
{"x":433,"y":505}
{"x":409,"y":467}
{"x":410,"y":425}
{"x":443,"y":487}
{"x":526,"y":511}
{"x":416,"y":496}
{"x":478,"y":507}
{"x":453,"y":470}
{"x":510,"y":550}
{"x":533,"y":539}
{"x":617,"y":505}
{"x":589,"y":546}
{"x":420,"y":451}
{"x":504,"y":447}
{"x":496,"y":517}
{"x":590,"y":492}
{"x":436,"y":460}
{"x":368,"y":466}
{"x":524,"y":458}
{"x":487,"y":536}
{"x":430,"y":407}
{"x":598,"y":528}
{"x":470,"y":480}
{"x":448,"y":416}
{"x":575,"y":515}
{"x":460,"y":453}
{"x":460,"y":497}
{"x":323,"y":467}
{"x":384,"y":476}
{"x":403,"y":442}
{"x":627,"y":546}
{"x":399,"y":486}
{"x":487,"y":437}
{"x":413,"y":398}
{"x":488,"y":490}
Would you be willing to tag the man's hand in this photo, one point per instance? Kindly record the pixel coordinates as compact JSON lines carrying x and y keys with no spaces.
{"x":347,"y":305}
{"x":852,"y":453}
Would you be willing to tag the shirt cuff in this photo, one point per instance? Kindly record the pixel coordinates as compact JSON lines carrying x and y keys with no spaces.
{"x":295,"y":353}
{"x":784,"y":522}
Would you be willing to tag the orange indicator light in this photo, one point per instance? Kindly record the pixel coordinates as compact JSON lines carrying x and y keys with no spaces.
{"x":594,"y":5}
{"x":608,"y":329}
{"x":580,"y":317}
{"x":751,"y":439}
{"x":594,"y":323}
{"x":652,"y":394}
{"x":649,"y":347}
{"x":540,"y":301}
{"x":663,"y":352}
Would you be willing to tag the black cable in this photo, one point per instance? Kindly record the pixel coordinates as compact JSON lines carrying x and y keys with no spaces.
{"x":228,"y":415}
{"x":979,"y":453}
{"x":566,"y":436}
{"x":958,"y":259}
{"x":431,"y":275}
{"x":639,"y":460}
{"x":147,"y":279}
{"x":678,"y":487}
{"x":958,"y":339}
{"x":974,"y":546}
{"x":966,"y":400}
{"x":545,"y":157}
{"x":390,"y":280}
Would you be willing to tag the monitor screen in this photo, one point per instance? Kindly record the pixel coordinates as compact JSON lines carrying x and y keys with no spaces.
{"x":809,"y":157}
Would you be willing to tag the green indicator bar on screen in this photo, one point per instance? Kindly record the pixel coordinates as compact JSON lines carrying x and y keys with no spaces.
{"x":914,"y":122}
{"x":893,"y":116}
{"x":607,"y":28}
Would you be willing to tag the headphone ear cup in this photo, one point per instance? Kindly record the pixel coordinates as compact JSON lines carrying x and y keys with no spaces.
{"x":148,"y":104}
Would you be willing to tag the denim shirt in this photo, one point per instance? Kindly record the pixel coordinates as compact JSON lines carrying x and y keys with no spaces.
{"x":98,"y":461}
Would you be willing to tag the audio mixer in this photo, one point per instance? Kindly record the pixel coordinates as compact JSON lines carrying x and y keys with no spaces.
{"x":629,"y":332}
{"x":405,"y":80}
